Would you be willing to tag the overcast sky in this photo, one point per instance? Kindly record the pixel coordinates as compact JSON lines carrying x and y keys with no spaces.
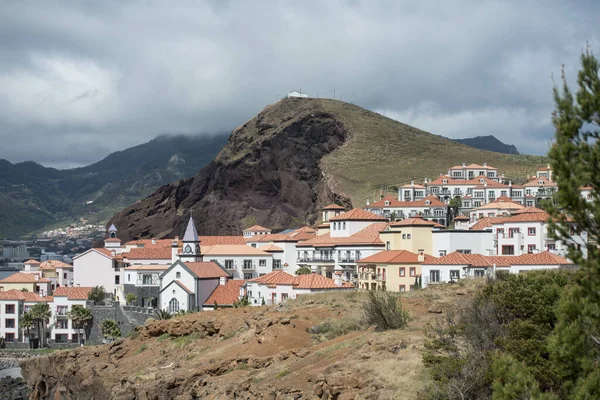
{"x":79,"y":80}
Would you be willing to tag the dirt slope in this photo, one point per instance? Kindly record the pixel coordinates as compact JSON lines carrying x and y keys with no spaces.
{"x":250,"y":353}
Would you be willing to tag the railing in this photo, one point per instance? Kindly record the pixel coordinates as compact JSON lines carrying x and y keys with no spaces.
{"x":349,"y":259}
{"x":316,"y":258}
{"x":380,"y":277}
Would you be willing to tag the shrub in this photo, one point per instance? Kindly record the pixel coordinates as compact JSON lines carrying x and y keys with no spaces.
{"x":337,"y":327}
{"x":97,"y":294}
{"x":130,"y":298}
{"x":161,"y":315}
{"x":384,"y":310}
{"x":303,"y":271}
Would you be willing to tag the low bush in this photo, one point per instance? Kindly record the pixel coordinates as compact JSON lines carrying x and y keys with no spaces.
{"x":384,"y":311}
{"x":333,"y":328}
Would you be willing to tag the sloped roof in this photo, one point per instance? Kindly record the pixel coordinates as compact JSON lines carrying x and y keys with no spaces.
{"x":53,"y":264}
{"x":153,"y":267}
{"x":535,"y":182}
{"x":546,"y":168}
{"x":526,"y":210}
{"x":366,"y":236}
{"x":112,"y":227}
{"x":15,"y":294}
{"x":486,"y":222}
{"x":416,"y":221}
{"x":221,"y":240}
{"x":22,"y":277}
{"x":525,"y":217}
{"x":31,"y":262}
{"x":394,"y":257}
{"x":257,"y":228}
{"x":206,"y":269}
{"x":500,"y":205}
{"x":191,"y":234}
{"x":226,"y":294}
{"x":358,"y":214}
{"x":275,"y":278}
{"x":153,"y":253}
{"x":297,"y":235}
{"x":308,"y":281}
{"x":112,"y":240}
{"x":73,"y":292}
{"x":272,"y":248}
{"x":473,"y":166}
{"x":239,"y":250}
{"x":478,"y":260}
{"x":462,"y":218}
{"x":410,"y":185}
{"x":449,"y":181}
{"x":333,"y":207}
{"x":148,"y":243}
{"x":393,"y":202}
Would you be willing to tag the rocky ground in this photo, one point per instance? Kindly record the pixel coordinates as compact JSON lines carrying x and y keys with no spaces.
{"x":252,"y":353}
{"x":12,"y":385}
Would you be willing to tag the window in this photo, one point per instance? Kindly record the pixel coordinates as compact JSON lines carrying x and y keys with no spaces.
{"x":177,"y":275}
{"x":276,"y":264}
{"x":284,"y":296}
{"x":62,"y":310}
{"x":62,"y":324}
{"x":9,"y":309}
{"x":413,"y":271}
{"x":329,"y":274}
{"x":508,"y":250}
{"x":517,"y":194}
{"x":253,"y":245}
{"x":454,"y":274}
{"x":479,"y":273}
{"x":117,"y":279}
{"x":408,"y":235}
{"x":531,"y":248}
{"x":9,"y":337}
{"x":442,"y":253}
{"x":402,"y":288}
{"x":404,"y":236}
{"x":551,"y":246}
{"x":262,"y":263}
{"x":411,"y":287}
{"x":464,"y":251}
{"x":9,"y":323}
{"x":434,"y":275}
{"x":402,"y":271}
{"x":387,"y":245}
{"x":491,"y":194}
{"x":128,"y":277}
{"x":344,"y":225}
{"x":173,"y":306}
{"x":531,"y":231}
{"x":247,"y":264}
{"x":229,"y":264}
{"x":248,"y":275}
{"x":65,"y":275}
{"x":147,"y":279}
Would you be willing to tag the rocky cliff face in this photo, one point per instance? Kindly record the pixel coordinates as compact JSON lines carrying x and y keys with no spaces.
{"x":269,"y":173}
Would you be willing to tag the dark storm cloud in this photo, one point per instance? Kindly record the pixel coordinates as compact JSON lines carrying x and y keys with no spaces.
{"x":78,"y":80}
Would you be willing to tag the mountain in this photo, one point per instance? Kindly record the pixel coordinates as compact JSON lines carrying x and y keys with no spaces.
{"x":296,"y":156}
{"x":33,"y":196}
{"x":489,"y":143}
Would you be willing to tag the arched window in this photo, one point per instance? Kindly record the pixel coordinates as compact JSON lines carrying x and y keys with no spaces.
{"x":173,"y":306}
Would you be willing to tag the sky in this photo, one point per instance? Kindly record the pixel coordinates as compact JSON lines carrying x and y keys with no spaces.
{"x":79,"y":80}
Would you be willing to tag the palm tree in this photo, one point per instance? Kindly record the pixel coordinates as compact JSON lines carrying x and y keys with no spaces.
{"x":81,"y":318}
{"x":96,"y":294}
{"x":162,"y":314}
{"x":110,"y":329}
{"x":41,"y":314}
{"x":27,"y":322}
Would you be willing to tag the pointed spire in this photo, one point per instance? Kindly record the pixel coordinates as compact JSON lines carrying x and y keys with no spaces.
{"x":112,"y":228}
{"x":191,"y":235}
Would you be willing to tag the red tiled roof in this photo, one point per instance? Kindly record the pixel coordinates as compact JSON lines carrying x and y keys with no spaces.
{"x":416,"y":221}
{"x":272,"y":248}
{"x":546,"y":168}
{"x":478,"y":260}
{"x":148,"y":243}
{"x":410,"y":185}
{"x":107,"y":253}
{"x":31,"y":262}
{"x":527,"y":210}
{"x":366,"y":236}
{"x":53,"y":264}
{"x":224,"y":240}
{"x":394,"y":257}
{"x":308,"y":281}
{"x":358,"y":214}
{"x":536,"y":182}
{"x":477,"y":180}
{"x":393,"y":202}
{"x":112,"y":240}
{"x":73,"y":292}
{"x":226,"y":294}
{"x":486,"y":222}
{"x":22,"y":277}
{"x":333,"y":207}
{"x":449,"y":181}
{"x":153,"y":253}
{"x":297,"y":235}
{"x":15,"y":294}
{"x":242,"y":250}
{"x":526,"y":217}
{"x":473,"y":166}
{"x":207,"y":269}
{"x":275,"y":278}
{"x":462,"y":218}
{"x":492,"y":185}
{"x":257,"y":228}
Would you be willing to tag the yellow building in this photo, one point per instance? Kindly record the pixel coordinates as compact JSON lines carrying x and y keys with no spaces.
{"x":32,"y":282}
{"x":412,"y":234}
{"x":391,"y":270}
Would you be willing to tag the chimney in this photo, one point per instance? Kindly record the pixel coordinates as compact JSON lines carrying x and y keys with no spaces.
{"x":174,"y":249}
{"x":153,"y":240}
{"x":412,"y":183}
{"x":222,"y":280}
{"x":368,"y":202}
{"x":509,"y":183}
{"x":421,"y":256}
{"x":485,"y":164}
{"x":113,"y":253}
{"x":337,"y":278}
{"x":485,"y":184}
{"x":464,"y":165}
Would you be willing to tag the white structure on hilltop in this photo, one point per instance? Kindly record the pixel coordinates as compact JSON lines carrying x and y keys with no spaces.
{"x":296,"y":94}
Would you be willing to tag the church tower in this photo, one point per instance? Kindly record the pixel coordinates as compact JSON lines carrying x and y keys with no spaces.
{"x":112,"y":241}
{"x":191,"y":244}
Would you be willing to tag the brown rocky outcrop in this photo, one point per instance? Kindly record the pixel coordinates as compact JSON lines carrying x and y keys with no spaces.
{"x":269,"y":173}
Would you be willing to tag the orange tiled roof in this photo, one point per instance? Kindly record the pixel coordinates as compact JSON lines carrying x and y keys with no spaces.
{"x":394,"y":257}
{"x":358,"y":214}
{"x":449,"y":181}
{"x":410,"y":185}
{"x":53,"y":264}
{"x":22,"y":277}
{"x":257,"y":228}
{"x":546,"y":168}
{"x":297,"y":235}
{"x":502,"y":205}
{"x":73,"y":292}
{"x":333,"y":207}
{"x":153,"y":253}
{"x":416,"y":221}
{"x":492,"y":185}
{"x":366,"y":236}
{"x":308,"y":281}
{"x":533,"y":182}
{"x":112,"y":240}
{"x":206,"y":269}
{"x":148,"y":243}
{"x":478,"y":260}
{"x":15,"y":294}
{"x":486,"y":222}
{"x":226,"y":294}
{"x":473,"y":166}
{"x":107,"y":253}
{"x":271,"y":248}
{"x":31,"y":262}
{"x":222,"y":240}
{"x":526,"y":210}
{"x":462,"y":218}
{"x":163,"y":267}
{"x":275,"y":278}
{"x":477,"y":180}
{"x":393,"y":202}
{"x":526,"y":217}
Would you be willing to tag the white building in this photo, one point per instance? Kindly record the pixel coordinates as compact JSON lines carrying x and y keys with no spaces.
{"x":502,"y":206}
{"x":241,"y":261}
{"x":462,"y":241}
{"x":456,"y":266}
{"x":62,"y":330}
{"x":353,"y":235}
{"x":255,"y":230}
{"x":99,"y":267}
{"x":279,"y":286}
{"x":472,"y":171}
{"x":13,"y":303}
{"x":58,"y":272}
{"x":296,"y":94}
{"x":430,"y":208}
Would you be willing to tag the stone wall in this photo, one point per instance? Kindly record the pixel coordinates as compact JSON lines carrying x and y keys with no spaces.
{"x":146,"y":295}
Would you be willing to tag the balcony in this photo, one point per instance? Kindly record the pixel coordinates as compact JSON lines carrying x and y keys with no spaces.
{"x":249,"y":267}
{"x":380,"y":277}
{"x":316,"y":258}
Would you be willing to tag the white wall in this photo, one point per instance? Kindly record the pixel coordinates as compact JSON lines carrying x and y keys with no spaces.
{"x":4,"y":316}
{"x":94,"y":269}
{"x":173,"y":290}
{"x":453,"y":240}
{"x":185,"y":278}
{"x":351,"y":227}
{"x":238,"y":262}
{"x":63,"y":301}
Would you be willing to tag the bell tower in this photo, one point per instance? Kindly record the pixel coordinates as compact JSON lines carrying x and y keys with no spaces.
{"x":191,"y":244}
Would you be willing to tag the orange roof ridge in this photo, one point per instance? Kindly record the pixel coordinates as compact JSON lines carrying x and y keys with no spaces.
{"x":358,"y":214}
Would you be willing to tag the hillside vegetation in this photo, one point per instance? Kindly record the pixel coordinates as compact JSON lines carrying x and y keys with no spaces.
{"x":490,"y":143}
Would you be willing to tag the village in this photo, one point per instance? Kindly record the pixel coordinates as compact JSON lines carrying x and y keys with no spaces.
{"x":468,"y":223}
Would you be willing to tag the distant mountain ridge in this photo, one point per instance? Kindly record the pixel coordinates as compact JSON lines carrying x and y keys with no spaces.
{"x":490,"y":143}
{"x":33,"y":196}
